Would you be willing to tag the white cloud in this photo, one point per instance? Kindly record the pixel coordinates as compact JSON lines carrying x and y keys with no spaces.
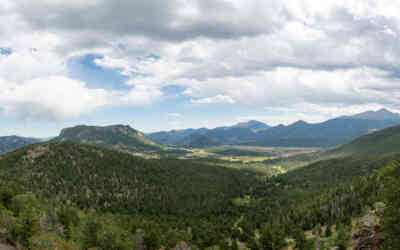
{"x":311,"y":112}
{"x":53,"y":97}
{"x":214,"y":99}
{"x":174,"y":115}
{"x":336,"y":54}
{"x":140,"y":95}
{"x":26,"y":64}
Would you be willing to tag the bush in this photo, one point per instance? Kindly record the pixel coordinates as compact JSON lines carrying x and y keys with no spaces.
{"x":50,"y":241}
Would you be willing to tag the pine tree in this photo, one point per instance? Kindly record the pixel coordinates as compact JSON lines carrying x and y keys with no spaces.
{"x":328,"y":230}
{"x":300,"y":238}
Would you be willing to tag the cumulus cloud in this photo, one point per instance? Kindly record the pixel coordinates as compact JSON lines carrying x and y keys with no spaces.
{"x":140,"y":95}
{"x":277,"y":54}
{"x":50,"y":98}
{"x":30,"y":63}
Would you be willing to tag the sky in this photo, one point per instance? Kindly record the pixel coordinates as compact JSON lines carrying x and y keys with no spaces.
{"x":161,"y":65}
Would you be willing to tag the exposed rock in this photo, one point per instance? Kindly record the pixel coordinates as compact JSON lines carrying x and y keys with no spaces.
{"x":36,"y":152}
{"x":369,"y":237}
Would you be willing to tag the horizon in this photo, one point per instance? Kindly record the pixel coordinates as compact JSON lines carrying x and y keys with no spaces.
{"x":229,"y":125}
{"x":164,"y":65}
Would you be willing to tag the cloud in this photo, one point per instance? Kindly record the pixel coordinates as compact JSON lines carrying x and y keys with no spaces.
{"x":174,"y":115}
{"x":25,"y":64}
{"x":214,"y":99}
{"x":140,"y":95}
{"x":311,"y":112}
{"x":50,"y":98}
{"x":285,"y":54}
{"x":173,"y":20}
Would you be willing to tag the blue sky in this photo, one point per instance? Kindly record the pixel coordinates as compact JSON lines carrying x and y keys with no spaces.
{"x":161,"y":65}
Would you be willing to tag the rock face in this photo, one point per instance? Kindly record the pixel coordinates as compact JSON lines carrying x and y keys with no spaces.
{"x":369,"y":237}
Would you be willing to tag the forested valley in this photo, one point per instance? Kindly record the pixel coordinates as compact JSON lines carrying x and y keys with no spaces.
{"x":65,"y":195}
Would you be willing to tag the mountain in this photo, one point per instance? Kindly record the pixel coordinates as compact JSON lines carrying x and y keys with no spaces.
{"x":120,"y":137}
{"x":175,"y":137}
{"x":253,"y":125}
{"x":326,"y":134}
{"x":10,"y":143}
{"x":378,"y":142}
{"x":239,"y":133}
{"x":200,"y":141}
{"x":330,"y":133}
{"x":380,"y":115}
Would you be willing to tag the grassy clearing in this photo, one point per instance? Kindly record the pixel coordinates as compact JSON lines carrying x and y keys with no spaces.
{"x":264,"y":160}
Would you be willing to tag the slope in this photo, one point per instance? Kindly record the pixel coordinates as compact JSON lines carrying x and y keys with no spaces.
{"x":107,"y":180}
{"x":382,"y":141}
{"x":212,"y":203}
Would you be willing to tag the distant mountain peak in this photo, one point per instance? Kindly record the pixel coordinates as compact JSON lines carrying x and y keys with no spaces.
{"x":381,"y":114}
{"x":301,"y":122}
{"x":252,"y":124}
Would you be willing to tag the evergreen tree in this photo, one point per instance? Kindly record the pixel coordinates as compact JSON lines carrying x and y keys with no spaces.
{"x":328,"y":230}
{"x":342,"y":238}
{"x":300,"y":238}
{"x":272,"y":238}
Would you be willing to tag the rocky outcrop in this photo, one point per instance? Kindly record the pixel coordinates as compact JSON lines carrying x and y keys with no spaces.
{"x":369,"y":237}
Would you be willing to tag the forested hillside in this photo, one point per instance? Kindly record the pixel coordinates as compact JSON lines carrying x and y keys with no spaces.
{"x":117,"y":137}
{"x":378,"y":142}
{"x":93,"y":197}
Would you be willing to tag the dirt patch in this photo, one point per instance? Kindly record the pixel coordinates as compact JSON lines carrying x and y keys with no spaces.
{"x":36,"y":152}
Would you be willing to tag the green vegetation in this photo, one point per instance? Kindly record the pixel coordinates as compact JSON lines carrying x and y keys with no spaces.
{"x":119,"y":137}
{"x":64,"y":195}
{"x":383,"y":141}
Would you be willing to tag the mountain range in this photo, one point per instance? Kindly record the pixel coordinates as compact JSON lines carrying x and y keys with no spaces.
{"x":10,"y":143}
{"x":330,"y":133}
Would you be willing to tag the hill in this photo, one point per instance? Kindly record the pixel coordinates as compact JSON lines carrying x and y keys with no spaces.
{"x":119,"y":137}
{"x":113,"y":194}
{"x":11,"y":143}
{"x":378,"y":142}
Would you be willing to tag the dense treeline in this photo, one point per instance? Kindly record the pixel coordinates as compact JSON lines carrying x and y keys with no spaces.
{"x":87,"y":197}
